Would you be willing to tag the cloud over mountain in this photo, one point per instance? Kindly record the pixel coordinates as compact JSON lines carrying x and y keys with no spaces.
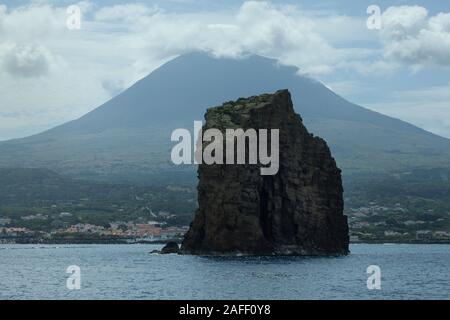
{"x":119,"y":44}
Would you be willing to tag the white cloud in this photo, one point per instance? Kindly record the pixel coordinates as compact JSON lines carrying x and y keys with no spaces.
{"x":119,"y":44}
{"x":124,"y":12}
{"x":27,"y":60}
{"x":410,"y":36}
{"x":401,"y":22}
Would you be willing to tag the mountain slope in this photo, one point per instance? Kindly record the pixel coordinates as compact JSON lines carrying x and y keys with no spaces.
{"x":129,"y":136}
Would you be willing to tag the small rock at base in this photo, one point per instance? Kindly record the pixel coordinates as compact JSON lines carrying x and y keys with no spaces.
{"x":170,"y":247}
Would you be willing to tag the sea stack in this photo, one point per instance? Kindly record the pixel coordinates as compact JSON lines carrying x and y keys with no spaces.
{"x":297,"y":211}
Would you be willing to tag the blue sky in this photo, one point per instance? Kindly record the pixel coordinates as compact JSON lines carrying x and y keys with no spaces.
{"x":51,"y":75}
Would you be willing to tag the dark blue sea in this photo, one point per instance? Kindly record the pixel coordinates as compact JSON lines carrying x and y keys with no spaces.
{"x":130,"y":272}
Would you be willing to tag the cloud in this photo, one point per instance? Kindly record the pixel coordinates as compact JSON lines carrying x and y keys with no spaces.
{"x":119,"y":44}
{"x":27,"y":61}
{"x":256,"y":27}
{"x":401,"y":22}
{"x":124,"y":12}
{"x":3,"y":9}
{"x":411,"y":37}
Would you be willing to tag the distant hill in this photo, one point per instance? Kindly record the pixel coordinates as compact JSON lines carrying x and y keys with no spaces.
{"x":128,"y":138}
{"x":25,"y":191}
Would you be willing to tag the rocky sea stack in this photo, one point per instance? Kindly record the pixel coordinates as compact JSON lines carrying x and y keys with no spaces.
{"x":298,"y":211}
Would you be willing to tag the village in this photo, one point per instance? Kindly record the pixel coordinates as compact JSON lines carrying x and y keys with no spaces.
{"x":369,"y":223}
{"x":379,"y":223}
{"x":118,"y":231}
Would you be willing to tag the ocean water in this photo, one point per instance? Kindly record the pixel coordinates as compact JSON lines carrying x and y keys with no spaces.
{"x":130,"y":272}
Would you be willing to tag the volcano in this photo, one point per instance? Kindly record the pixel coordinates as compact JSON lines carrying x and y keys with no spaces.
{"x":128,"y":137}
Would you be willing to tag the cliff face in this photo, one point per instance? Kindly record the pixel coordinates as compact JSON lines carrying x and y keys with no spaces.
{"x":298,"y":211}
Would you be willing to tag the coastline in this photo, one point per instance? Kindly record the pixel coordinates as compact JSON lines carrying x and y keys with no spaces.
{"x":73,"y":241}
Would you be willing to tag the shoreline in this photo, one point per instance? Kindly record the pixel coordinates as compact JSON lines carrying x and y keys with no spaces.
{"x":178,"y":241}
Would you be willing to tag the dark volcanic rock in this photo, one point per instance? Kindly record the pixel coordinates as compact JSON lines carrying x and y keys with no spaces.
{"x":170,"y":247}
{"x":298,"y":211}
